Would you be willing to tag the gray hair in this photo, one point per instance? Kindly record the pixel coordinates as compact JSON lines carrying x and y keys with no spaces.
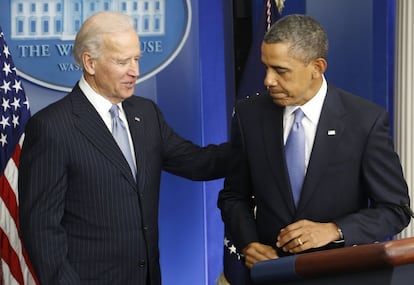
{"x":306,"y":37}
{"x":90,"y":37}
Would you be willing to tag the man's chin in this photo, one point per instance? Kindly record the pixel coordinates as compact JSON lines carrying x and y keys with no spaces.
{"x":280,"y":99}
{"x":126,"y":95}
{"x":281,"y":102}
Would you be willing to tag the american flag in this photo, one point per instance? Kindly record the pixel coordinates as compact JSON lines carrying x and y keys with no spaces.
{"x":252,"y":78}
{"x":14,"y":113}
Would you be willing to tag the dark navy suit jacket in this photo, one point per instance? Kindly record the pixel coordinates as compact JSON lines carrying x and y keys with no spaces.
{"x":354,"y":177}
{"x":84,"y":220}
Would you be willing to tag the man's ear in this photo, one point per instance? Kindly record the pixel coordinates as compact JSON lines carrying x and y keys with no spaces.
{"x":319,"y":67}
{"x":88,"y":63}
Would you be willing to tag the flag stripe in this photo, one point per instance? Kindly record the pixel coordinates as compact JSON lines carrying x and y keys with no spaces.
{"x":16,"y":153}
{"x":11,"y":259}
{"x":10,"y":243}
{"x":6,"y":273}
{"x":7,"y":193}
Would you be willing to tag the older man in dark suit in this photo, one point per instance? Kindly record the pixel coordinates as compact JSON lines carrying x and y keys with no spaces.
{"x":91,"y":165}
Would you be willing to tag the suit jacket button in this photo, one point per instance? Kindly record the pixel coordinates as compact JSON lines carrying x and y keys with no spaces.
{"x":145,"y":228}
{"x":142,"y":263}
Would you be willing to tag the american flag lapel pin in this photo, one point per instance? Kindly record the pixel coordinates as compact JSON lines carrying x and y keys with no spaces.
{"x":331,"y":132}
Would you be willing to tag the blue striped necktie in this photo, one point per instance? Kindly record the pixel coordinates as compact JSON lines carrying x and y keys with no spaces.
{"x":295,"y":155}
{"x":120,"y":134}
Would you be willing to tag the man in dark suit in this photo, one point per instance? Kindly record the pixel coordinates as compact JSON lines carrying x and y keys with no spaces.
{"x":89,"y":214}
{"x":351,"y":188}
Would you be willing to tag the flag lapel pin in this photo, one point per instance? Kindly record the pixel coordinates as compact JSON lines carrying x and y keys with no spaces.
{"x":331,"y":132}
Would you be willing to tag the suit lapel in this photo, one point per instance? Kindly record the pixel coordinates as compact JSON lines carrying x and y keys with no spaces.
{"x":328,"y":134}
{"x":272,"y":122}
{"x":91,"y":125}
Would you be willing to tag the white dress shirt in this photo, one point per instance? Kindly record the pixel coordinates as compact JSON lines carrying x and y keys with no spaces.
{"x":102,"y":106}
{"x":312,"y":110}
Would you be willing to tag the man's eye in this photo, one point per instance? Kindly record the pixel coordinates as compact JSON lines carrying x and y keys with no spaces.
{"x":281,"y":71}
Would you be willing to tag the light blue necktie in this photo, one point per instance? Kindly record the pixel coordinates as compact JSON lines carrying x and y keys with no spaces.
{"x":121,"y":136}
{"x":295,"y":155}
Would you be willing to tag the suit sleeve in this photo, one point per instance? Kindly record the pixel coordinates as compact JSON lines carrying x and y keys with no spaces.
{"x":184,"y":158}
{"x":235,"y":200}
{"x":42,"y":187}
{"x":381,"y":177}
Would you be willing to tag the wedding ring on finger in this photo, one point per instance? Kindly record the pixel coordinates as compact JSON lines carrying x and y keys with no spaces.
{"x":299,"y":241}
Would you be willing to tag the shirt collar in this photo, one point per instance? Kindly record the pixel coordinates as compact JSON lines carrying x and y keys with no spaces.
{"x":100,"y":103}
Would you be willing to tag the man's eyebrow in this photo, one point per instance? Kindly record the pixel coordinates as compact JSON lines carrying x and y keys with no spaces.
{"x":278,"y":67}
{"x":274,"y":66}
{"x":126,"y":58}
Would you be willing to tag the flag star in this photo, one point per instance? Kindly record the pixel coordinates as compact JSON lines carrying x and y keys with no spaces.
{"x":4,"y":122}
{"x":6,"y":86}
{"x":6,"y":51}
{"x":17,"y":86}
{"x":232,"y":249}
{"x":15,"y":121}
{"x":3,"y":139}
{"x":5,"y":104}
{"x":226,"y":242}
{"x":6,"y":68}
{"x":16,"y":103}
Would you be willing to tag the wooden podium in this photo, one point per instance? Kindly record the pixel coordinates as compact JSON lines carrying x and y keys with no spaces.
{"x":383,"y":263}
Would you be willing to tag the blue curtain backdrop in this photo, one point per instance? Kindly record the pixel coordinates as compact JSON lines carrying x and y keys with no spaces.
{"x":361,"y":38}
{"x":191,"y":234}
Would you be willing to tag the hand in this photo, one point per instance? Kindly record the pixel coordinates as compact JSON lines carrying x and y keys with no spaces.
{"x":304,"y":234}
{"x":256,"y":251}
